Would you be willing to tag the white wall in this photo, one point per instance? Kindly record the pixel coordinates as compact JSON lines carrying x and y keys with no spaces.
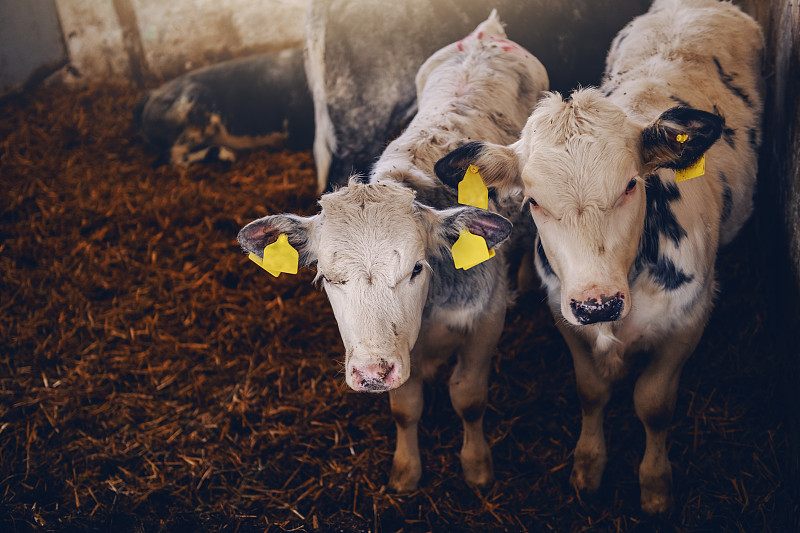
{"x":166,"y":38}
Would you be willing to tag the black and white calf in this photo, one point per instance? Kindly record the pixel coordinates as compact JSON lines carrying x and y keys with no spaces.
{"x":627,"y":253}
{"x":208,"y":114}
{"x":382,"y":249}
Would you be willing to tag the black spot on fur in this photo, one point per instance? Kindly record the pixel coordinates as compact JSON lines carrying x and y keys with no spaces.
{"x":727,"y":80}
{"x":668,"y":275}
{"x":727,"y":133}
{"x":727,"y":198}
{"x":679,"y":101}
{"x":660,"y":220}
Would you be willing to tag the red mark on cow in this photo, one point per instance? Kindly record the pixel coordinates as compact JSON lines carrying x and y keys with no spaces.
{"x":507,"y":46}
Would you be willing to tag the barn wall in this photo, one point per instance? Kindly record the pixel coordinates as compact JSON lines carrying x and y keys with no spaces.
{"x":783,"y":116}
{"x":30,"y":42}
{"x":151,"y":40}
{"x":781,"y":158}
{"x":779,"y":202}
{"x":778,"y":207}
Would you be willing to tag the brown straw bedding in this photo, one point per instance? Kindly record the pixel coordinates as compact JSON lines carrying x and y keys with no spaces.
{"x":153,"y":379}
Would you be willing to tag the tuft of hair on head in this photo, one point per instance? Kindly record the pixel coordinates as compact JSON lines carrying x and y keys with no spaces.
{"x":492,"y":26}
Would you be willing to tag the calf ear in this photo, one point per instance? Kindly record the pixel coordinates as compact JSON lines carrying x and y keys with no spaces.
{"x":255,"y":236}
{"x":661,"y":147}
{"x":491,"y":226}
{"x":498,"y":165}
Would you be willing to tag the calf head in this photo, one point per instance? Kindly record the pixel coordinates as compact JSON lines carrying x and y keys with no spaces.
{"x":582,"y":164}
{"x":371,"y":244}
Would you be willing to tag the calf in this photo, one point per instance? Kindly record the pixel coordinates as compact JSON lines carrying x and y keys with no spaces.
{"x":625,"y":252}
{"x":382,"y":248}
{"x":363,"y":89}
{"x":207,"y":114}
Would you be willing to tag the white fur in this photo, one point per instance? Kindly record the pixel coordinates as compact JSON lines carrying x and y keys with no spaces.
{"x":324,"y":133}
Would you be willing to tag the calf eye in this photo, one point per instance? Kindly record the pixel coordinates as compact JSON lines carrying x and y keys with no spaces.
{"x":334,"y":281}
{"x":631,"y":186}
{"x":416,"y":271}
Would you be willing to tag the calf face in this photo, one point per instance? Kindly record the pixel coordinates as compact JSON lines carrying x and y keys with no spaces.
{"x":371,"y":244}
{"x":581,"y":164}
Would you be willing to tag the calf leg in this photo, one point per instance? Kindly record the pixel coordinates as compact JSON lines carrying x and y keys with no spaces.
{"x":654,"y":398}
{"x":594,"y":392}
{"x":406,"y":406}
{"x":469,"y":391}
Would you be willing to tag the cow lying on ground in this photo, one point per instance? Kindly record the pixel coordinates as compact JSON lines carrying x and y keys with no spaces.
{"x":382,"y":248}
{"x":208,"y":114}
{"x":625,"y":253}
{"x":362,"y":56}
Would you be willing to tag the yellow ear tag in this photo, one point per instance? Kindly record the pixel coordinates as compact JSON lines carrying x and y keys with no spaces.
{"x":279,"y":257}
{"x":682,"y":138}
{"x":698,"y":169}
{"x":472,"y":191}
{"x":470,"y":250}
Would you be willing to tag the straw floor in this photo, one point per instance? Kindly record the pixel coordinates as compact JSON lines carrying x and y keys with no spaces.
{"x":153,"y":379}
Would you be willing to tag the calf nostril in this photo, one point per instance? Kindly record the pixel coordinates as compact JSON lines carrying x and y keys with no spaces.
{"x":386,"y":374}
{"x":592,"y":311}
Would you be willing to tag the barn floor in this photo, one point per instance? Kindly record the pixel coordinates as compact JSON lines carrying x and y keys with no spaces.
{"x":153,"y":379}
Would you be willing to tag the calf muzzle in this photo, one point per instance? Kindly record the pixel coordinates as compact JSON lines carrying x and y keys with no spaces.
{"x":379,"y":377}
{"x":591,"y":311}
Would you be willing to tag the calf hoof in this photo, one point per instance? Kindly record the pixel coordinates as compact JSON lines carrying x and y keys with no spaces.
{"x":656,"y":495}
{"x":656,"y":503}
{"x":587,"y":473}
{"x":404,"y":478}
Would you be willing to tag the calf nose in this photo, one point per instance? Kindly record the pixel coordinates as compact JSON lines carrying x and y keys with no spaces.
{"x":377,"y":377}
{"x":591,"y":310}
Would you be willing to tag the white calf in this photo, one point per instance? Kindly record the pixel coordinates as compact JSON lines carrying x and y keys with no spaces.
{"x":625,"y":252}
{"x":382,"y":249}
